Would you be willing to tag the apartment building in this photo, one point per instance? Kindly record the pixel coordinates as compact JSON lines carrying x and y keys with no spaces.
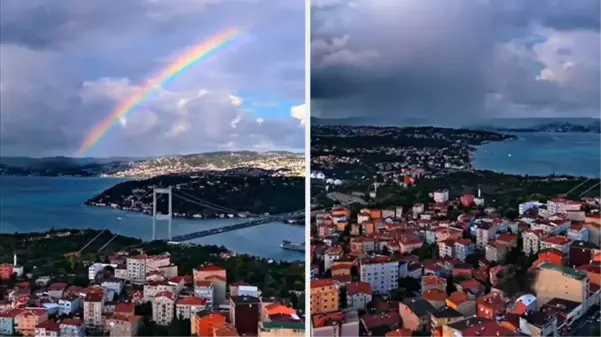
{"x":560,"y":282}
{"x":277,"y":329}
{"x":47,"y":329}
{"x":207,"y":324}
{"x":381,"y":272}
{"x":72,"y":327}
{"x":186,"y":307}
{"x":578,"y":232}
{"x":485,"y":231}
{"x":324,"y":296}
{"x":463,"y":249}
{"x":205,"y":290}
{"x":560,"y":243}
{"x":531,"y":241}
{"x":7,"y":321}
{"x":245,"y":312}
{"x":332,"y":254}
{"x":122,"y":325}
{"x":92,"y":308}
{"x":446,"y":247}
{"x":496,"y":252}
{"x":163,"y":307}
{"x":336,"y":324}
{"x":28,"y":319}
{"x":563,"y":206}
{"x":358,"y":294}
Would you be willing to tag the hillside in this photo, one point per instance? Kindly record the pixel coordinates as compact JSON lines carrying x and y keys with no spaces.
{"x":287,"y":163}
{"x":252,"y":191}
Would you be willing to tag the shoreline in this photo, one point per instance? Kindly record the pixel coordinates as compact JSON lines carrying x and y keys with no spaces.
{"x":519,"y":137}
{"x":62,"y":233}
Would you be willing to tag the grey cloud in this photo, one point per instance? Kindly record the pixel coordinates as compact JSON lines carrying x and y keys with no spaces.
{"x":444,"y":60}
{"x":50,"y":50}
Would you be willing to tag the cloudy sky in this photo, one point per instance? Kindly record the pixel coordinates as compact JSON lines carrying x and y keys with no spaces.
{"x":66,"y":65}
{"x":450,"y":60}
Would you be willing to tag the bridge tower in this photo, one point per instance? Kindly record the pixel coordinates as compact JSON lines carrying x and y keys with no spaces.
{"x":156,"y":192}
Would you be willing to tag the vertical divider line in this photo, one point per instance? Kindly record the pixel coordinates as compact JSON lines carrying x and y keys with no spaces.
{"x":307,"y":122}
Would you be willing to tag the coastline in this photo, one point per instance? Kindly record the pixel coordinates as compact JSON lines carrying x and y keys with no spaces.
{"x":539,"y":154}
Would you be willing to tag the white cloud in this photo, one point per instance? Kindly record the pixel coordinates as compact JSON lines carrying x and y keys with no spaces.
{"x":299,"y":112}
{"x":235,"y":100}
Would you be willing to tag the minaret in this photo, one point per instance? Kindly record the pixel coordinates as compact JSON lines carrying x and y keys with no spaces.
{"x":479,"y":193}
{"x":15,"y":259}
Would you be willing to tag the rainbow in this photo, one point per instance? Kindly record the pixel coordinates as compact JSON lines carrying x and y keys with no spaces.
{"x":180,"y":65}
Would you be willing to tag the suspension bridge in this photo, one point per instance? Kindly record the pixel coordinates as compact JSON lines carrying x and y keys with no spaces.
{"x":252,"y":220}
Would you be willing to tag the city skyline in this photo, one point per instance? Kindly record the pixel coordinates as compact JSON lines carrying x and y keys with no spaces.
{"x":67,"y":66}
{"x":450,"y":61}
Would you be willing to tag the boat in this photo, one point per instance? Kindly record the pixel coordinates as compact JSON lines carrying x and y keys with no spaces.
{"x":293,"y":246}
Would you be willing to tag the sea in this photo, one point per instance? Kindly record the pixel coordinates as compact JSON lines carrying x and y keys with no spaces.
{"x":541,"y":154}
{"x":37,"y":204}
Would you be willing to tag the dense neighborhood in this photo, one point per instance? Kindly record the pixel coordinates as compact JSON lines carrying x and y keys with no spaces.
{"x":457,"y":267}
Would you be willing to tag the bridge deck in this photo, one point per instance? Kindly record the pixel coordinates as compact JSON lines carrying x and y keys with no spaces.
{"x":248,"y":224}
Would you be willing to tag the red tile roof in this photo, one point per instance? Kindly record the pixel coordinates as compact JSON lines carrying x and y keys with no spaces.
{"x":125,"y":307}
{"x":355,"y":288}
{"x":190,"y":300}
{"x":557,"y":240}
{"x":210,"y":267}
{"x":436,"y":295}
{"x":167,"y":294}
{"x":321,"y":283}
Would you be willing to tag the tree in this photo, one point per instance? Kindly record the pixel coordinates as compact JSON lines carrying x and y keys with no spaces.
{"x":400,"y":294}
{"x":385,"y":251}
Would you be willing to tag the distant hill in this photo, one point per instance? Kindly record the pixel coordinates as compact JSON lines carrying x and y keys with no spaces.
{"x":585,"y":125}
{"x":130,"y":167}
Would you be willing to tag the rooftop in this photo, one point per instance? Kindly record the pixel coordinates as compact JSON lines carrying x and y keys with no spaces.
{"x":577,"y":274}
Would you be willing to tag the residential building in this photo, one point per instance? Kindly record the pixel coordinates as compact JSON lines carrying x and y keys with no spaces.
{"x":462,"y":303}
{"x":324,"y":296}
{"x":336,"y":324}
{"x":492,"y":305}
{"x":578,"y":232}
{"x":560,"y":282}
{"x":219,"y":285}
{"x":381,"y":273}
{"x":7,"y":321}
{"x":445,"y":248}
{"x":6,"y":271}
{"x":358,"y":294}
{"x":536,"y":323}
{"x":122,"y":325}
{"x":28,"y":319}
{"x":464,"y":248}
{"x":163,"y":307}
{"x":485,"y":231}
{"x":204,"y":272}
{"x":441,"y":196}
{"x":69,"y":304}
{"x":433,"y":282}
{"x":416,"y":313}
{"x":47,"y":329}
{"x":582,"y":252}
{"x":244,"y":314}
{"x":332,"y":254}
{"x":531,"y":241}
{"x":205,"y":289}
{"x":186,"y":307}
{"x":496,"y":252}
{"x":560,"y":243}
{"x":71,"y":327}
{"x":476,"y":326}
{"x":293,"y":328}
{"x":443,"y":316}
{"x":207,"y":324}
{"x":92,"y":308}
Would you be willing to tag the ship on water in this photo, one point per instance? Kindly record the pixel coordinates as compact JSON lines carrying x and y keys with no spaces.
{"x":293,"y":246}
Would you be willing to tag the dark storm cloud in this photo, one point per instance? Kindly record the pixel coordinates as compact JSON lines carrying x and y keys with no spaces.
{"x":66,"y":64}
{"x":455,"y":60}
